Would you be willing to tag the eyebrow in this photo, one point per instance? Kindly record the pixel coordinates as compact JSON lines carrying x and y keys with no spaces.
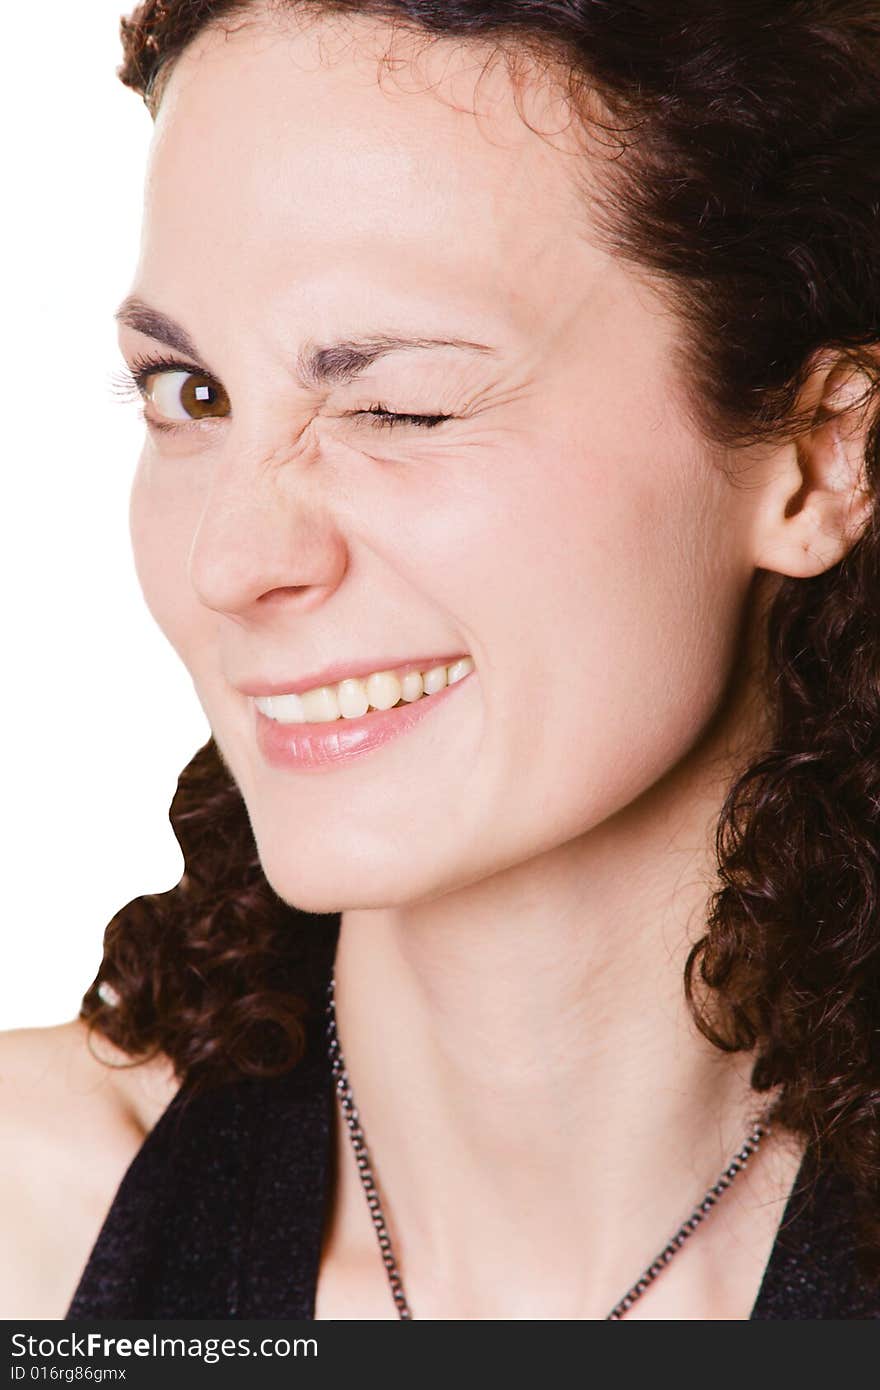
{"x":134,"y":313}
{"x":317,"y":364}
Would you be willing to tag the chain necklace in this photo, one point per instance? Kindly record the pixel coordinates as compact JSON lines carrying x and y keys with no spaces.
{"x":760,"y":1128}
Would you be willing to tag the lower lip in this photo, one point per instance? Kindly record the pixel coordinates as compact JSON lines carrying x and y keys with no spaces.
{"x":319,"y":747}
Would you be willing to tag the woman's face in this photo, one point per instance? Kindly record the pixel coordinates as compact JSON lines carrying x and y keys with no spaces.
{"x":567,"y":527}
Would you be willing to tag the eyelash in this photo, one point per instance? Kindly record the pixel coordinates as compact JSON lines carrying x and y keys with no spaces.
{"x":130,"y":385}
{"x":387,"y":419}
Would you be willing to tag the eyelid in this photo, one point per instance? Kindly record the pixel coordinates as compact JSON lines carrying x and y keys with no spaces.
{"x":144,"y":365}
{"x":383,"y":418}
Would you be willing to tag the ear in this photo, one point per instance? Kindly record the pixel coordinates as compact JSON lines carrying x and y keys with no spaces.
{"x":816,"y":501}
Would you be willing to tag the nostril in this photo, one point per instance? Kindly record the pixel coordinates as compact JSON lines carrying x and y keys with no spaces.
{"x":284,"y":591}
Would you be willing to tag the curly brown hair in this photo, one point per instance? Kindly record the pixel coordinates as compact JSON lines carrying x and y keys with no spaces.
{"x":751,"y":188}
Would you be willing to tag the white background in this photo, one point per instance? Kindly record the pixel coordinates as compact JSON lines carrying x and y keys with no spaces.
{"x":99,"y":715}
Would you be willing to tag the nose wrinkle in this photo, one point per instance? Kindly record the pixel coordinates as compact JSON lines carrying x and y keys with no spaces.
{"x":302,"y":447}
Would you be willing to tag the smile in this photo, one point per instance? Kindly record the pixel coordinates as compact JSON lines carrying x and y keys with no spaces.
{"x":322,"y":727}
{"x":353,"y":697}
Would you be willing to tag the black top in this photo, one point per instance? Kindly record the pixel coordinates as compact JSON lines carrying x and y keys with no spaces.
{"x":220,"y":1215}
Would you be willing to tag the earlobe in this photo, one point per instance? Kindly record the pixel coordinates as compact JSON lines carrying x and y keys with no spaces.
{"x":817,"y":499}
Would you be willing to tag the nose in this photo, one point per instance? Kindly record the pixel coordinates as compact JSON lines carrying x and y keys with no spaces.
{"x":265,"y":535}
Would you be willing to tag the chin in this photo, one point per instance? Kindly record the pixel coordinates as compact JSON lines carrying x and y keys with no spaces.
{"x":325,"y":878}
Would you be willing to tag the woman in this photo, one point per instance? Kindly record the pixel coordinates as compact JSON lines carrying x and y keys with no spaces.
{"x":509,"y":490}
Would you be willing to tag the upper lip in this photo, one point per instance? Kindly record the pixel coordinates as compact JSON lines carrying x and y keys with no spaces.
{"x":340,"y":670}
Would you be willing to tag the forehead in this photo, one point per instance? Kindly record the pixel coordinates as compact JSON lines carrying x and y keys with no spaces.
{"x":289,"y":149}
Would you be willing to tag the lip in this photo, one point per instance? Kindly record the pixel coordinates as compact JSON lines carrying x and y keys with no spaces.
{"x":340,"y":670}
{"x":324,"y":746}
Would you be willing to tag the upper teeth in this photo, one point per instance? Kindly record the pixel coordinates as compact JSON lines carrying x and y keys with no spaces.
{"x":351,"y":698}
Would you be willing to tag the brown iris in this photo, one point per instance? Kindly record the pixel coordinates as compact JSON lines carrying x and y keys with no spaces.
{"x":200,"y":397}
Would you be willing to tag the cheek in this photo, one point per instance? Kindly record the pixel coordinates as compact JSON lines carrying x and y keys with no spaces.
{"x":611,"y":615}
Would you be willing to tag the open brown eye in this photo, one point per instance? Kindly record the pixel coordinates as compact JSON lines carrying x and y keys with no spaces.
{"x":183,"y":395}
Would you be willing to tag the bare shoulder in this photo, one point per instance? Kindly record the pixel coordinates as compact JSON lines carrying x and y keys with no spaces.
{"x":63,"y":1066}
{"x":72,"y":1117}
